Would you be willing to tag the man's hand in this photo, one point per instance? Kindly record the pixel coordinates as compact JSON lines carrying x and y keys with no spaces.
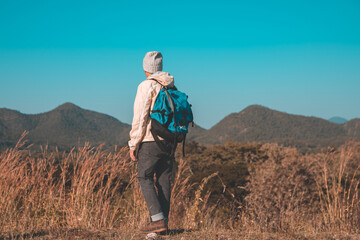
{"x":132,"y":155}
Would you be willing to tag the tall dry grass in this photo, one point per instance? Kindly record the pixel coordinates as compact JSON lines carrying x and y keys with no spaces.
{"x":96,"y":189}
{"x":80,"y":189}
{"x":339,"y":188}
{"x":291,"y":192}
{"x":86,"y":188}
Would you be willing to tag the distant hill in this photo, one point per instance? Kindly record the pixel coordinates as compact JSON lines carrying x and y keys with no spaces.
{"x":258,"y":123}
{"x":194,"y":132}
{"x":338,"y":120}
{"x":352,"y":128}
{"x":69,"y":125}
{"x":66,"y":126}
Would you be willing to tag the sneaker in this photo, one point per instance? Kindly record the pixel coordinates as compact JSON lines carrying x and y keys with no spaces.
{"x":155,"y":227}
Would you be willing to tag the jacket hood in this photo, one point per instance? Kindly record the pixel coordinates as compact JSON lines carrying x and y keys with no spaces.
{"x":163,"y":78}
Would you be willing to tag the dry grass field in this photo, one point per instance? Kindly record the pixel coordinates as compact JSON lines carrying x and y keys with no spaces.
{"x":91,"y":193}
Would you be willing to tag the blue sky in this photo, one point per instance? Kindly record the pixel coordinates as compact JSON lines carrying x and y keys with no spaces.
{"x":300,"y":57}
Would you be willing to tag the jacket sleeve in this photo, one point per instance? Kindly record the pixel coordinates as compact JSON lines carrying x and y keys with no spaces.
{"x":141,"y":117}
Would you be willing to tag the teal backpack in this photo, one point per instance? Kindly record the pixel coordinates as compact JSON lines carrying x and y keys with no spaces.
{"x":170,"y":117}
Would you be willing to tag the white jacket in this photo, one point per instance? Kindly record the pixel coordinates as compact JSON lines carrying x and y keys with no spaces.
{"x":147,"y":92}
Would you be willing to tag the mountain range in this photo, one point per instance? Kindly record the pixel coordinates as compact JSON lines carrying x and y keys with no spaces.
{"x":260,"y":124}
{"x":66,"y":126}
{"x":69,"y":125}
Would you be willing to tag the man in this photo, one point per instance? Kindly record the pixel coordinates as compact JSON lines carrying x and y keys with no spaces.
{"x":151,"y":159}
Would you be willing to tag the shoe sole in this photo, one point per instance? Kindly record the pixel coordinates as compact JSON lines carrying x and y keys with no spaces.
{"x":155,"y":230}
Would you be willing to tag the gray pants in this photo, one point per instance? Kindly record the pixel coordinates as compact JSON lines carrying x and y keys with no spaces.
{"x":151,"y":159}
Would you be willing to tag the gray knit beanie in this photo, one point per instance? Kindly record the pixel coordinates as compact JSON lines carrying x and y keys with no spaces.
{"x":152,"y":62}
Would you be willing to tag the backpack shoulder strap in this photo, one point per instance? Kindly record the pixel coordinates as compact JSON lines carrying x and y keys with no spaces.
{"x":174,"y":87}
{"x":151,"y":79}
{"x":183,"y":146}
